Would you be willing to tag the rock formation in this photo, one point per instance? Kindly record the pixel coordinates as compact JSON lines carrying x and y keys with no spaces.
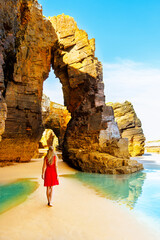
{"x":129,"y":126}
{"x":3,"y":115}
{"x":48,"y":139}
{"x":29,"y":45}
{"x":92,"y":141}
{"x":26,"y":42}
{"x":152,"y":146}
{"x":56,"y":117}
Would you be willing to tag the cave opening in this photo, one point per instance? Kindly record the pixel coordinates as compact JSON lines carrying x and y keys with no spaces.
{"x":55,"y":115}
{"x":52,"y":88}
{"x":48,"y":138}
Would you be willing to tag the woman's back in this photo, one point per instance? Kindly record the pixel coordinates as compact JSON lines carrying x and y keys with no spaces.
{"x":50,"y":178}
{"x":52,"y":164}
{"x":49,"y":172}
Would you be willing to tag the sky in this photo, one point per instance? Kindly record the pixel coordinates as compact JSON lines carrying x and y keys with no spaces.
{"x":127,"y":40}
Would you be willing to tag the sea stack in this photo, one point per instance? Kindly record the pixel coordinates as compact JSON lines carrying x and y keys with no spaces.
{"x":130,"y":127}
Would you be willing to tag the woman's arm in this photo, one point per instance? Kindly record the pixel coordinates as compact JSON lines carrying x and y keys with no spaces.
{"x":56,"y":160}
{"x":43,"y":167}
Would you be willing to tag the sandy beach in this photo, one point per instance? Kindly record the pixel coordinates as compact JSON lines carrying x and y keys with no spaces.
{"x":77,"y":212}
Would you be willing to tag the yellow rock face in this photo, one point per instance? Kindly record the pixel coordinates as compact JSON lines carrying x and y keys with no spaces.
{"x":32,"y":45}
{"x":153,"y":146}
{"x":28,"y":40}
{"x":55,"y":117}
{"x":129,"y":126}
{"x":48,"y":139}
{"x":153,"y":149}
{"x":3,"y":115}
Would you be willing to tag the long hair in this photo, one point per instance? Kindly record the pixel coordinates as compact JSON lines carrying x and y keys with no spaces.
{"x":50,"y":155}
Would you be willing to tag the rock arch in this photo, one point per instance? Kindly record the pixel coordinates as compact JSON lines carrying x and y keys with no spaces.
{"x":48,"y":139}
{"x":33,"y":44}
{"x":56,"y":117}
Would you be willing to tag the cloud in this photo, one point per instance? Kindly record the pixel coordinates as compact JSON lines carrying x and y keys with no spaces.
{"x":131,"y":73}
{"x":139,"y":84}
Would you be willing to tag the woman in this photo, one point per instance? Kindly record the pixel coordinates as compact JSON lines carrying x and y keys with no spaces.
{"x":49,"y":173}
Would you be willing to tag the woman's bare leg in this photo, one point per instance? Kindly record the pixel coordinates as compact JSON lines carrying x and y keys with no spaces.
{"x":48,"y":194}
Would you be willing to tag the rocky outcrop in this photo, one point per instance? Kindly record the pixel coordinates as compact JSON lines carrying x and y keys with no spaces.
{"x":56,"y":117}
{"x":92,"y":141}
{"x":48,"y":139}
{"x":27,"y":40}
{"x":129,"y":126}
{"x":152,"y":146}
{"x":30,"y":44}
{"x":3,"y":115}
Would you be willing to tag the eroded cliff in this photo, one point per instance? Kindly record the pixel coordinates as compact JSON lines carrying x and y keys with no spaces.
{"x":48,"y":139}
{"x":27,"y":40}
{"x":55,"y":117}
{"x":153,"y":146}
{"x":30,"y":45}
{"x":130,"y":127}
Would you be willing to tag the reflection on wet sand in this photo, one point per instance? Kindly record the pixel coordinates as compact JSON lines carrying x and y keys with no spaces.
{"x":121,"y":188}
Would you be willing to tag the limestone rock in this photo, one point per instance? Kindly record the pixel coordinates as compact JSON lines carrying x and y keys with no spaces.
{"x":152,"y":146}
{"x":3,"y":115}
{"x":130,"y":127}
{"x":26,"y":41}
{"x":29,"y":45}
{"x":48,"y":139}
{"x":55,"y":117}
{"x":45,"y":107}
{"x":1,"y":73}
{"x":81,"y":76}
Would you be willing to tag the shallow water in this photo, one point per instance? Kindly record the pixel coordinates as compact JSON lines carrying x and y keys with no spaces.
{"x":15,"y":193}
{"x":139,"y":191}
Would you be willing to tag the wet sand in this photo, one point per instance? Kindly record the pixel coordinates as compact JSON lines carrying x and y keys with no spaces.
{"x":77,"y":212}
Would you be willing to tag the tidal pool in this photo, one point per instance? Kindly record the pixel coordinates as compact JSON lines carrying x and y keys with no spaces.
{"x":139,"y":191}
{"x":15,"y":193}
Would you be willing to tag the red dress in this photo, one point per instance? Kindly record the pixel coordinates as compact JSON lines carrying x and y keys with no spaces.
{"x":50,"y":177}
